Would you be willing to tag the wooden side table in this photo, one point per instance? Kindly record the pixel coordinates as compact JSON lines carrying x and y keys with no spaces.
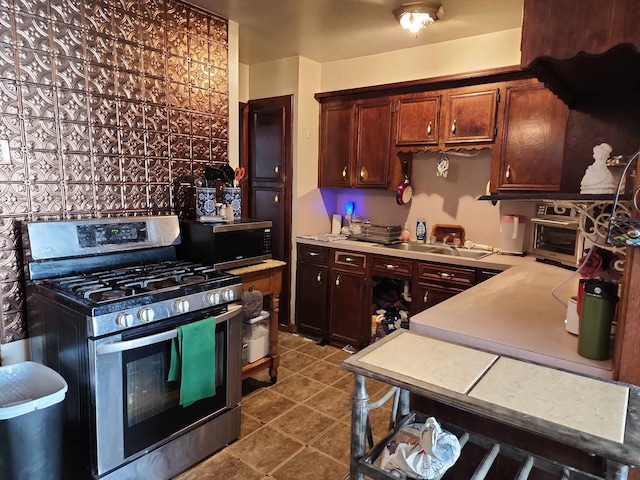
{"x":266,"y":277}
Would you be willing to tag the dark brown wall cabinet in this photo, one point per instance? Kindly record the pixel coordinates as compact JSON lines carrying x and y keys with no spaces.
{"x":530,"y":152}
{"x":471,"y":117}
{"x":418,"y":119}
{"x":446,"y":119}
{"x":580,"y":55}
{"x":355,"y":142}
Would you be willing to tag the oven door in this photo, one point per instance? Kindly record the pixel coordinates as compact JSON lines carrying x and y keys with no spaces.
{"x":557,"y":240}
{"x":136,"y":407}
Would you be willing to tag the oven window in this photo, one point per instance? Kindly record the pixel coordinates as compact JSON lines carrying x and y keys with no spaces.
{"x":147,"y":393}
{"x":151,"y":404}
{"x":555,"y":239}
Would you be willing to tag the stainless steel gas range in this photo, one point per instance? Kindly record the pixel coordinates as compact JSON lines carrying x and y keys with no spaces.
{"x":105,"y":298}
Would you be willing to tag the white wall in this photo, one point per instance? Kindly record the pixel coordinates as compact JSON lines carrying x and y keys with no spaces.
{"x":482,"y":52}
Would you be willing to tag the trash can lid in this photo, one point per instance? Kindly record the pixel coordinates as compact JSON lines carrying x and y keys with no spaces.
{"x":29,"y":386}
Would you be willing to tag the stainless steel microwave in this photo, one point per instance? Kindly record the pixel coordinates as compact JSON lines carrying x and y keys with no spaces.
{"x":556,"y":235}
{"x":226,"y":245}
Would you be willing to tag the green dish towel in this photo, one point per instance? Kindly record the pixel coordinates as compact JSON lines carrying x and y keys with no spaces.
{"x":193,"y":361}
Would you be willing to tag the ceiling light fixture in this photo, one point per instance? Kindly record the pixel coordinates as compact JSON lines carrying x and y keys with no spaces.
{"x":416,"y":15}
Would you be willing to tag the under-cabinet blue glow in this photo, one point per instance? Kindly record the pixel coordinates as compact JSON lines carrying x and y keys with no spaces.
{"x":350,"y":207}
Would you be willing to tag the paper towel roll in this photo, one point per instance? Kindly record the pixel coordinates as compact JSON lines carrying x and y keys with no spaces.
{"x":336,"y":224}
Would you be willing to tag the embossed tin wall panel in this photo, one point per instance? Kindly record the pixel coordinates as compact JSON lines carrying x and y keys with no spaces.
{"x":107,"y":106}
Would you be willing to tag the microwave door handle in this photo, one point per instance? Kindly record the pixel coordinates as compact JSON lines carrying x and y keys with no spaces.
{"x":544,"y":221}
{"x":158,"y":337}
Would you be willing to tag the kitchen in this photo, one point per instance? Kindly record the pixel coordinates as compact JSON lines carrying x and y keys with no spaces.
{"x":303,"y":78}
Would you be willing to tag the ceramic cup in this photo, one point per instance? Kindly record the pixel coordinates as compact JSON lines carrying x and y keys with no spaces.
{"x":205,"y":201}
{"x":233,"y":196}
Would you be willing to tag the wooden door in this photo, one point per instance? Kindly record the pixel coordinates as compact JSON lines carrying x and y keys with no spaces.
{"x":471,"y":117}
{"x":270,"y":172}
{"x":417,"y":120}
{"x":374,"y":142}
{"x":532,"y":148}
{"x":336,"y":144}
{"x":347,"y":293}
{"x":311,"y":299}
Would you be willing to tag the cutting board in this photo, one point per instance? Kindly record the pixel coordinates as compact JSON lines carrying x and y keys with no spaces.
{"x":429,"y":360}
{"x":585,"y":404}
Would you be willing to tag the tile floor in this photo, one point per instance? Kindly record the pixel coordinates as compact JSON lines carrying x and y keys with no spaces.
{"x":299,"y":428}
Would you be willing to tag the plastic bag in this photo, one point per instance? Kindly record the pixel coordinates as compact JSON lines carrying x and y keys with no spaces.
{"x":251,"y":304}
{"x":423,"y":451}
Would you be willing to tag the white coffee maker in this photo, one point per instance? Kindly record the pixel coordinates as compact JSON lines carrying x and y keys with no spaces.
{"x":512,"y":234}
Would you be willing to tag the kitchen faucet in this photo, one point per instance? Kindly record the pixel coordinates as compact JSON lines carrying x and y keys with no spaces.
{"x":446,"y":238}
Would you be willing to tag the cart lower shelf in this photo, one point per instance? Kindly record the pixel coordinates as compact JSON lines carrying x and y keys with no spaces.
{"x":526,"y":463}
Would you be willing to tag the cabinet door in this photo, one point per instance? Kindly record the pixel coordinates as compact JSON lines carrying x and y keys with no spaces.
{"x":426,"y":295}
{"x":471,"y":117}
{"x":374,"y":142}
{"x":311,"y":299}
{"x":270,"y":135}
{"x":417,"y":120}
{"x":336,"y":147}
{"x":347,"y":293}
{"x":270,"y":203}
{"x":532,"y":147}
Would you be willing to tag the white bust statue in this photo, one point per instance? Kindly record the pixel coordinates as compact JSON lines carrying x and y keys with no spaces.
{"x":598,"y":178}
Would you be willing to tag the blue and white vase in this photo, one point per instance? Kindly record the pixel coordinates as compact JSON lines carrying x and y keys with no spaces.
{"x":233,"y":196}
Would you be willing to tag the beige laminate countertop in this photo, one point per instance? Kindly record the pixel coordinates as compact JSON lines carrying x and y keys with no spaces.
{"x":512,"y":314}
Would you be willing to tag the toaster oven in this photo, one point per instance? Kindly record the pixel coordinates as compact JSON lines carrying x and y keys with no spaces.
{"x":557,"y":237}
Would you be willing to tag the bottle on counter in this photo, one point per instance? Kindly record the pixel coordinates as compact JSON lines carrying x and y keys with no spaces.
{"x":421,"y":230}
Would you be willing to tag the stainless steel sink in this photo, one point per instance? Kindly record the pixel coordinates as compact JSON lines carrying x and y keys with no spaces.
{"x":440,"y":250}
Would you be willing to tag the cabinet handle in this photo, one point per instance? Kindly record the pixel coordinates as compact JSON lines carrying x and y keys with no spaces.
{"x":429,"y":128}
{"x":508,"y":173}
{"x":319,"y":277}
{"x":276,"y":170}
{"x":446,"y":275}
{"x":453,"y":127}
{"x":313,"y":254}
{"x":338,"y":281}
{"x":425,"y":299}
{"x":276,"y":199}
{"x":344,"y":172}
{"x":391,"y":267}
{"x":348,"y":259}
{"x":363,"y":173}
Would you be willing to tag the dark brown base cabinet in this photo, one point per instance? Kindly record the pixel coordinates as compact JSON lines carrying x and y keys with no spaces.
{"x":312,"y":282}
{"x":334,"y":290}
{"x":311,"y":304}
{"x":350,"y":300}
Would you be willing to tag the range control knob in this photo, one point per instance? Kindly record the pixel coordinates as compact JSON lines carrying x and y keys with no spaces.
{"x":228,"y":295}
{"x":213,"y":298}
{"x":146,"y":314}
{"x":125,"y":319}
{"x":181,"y":306}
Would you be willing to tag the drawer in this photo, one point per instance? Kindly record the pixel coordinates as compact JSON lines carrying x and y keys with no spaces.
{"x":447,"y":275}
{"x":392,"y":267}
{"x":313,"y":254}
{"x":357,"y":261}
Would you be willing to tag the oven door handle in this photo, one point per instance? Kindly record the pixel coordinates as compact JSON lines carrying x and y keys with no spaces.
{"x":557,"y":223}
{"x":158,"y":337}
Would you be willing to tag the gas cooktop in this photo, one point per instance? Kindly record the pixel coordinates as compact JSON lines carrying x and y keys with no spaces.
{"x":115,"y":289}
